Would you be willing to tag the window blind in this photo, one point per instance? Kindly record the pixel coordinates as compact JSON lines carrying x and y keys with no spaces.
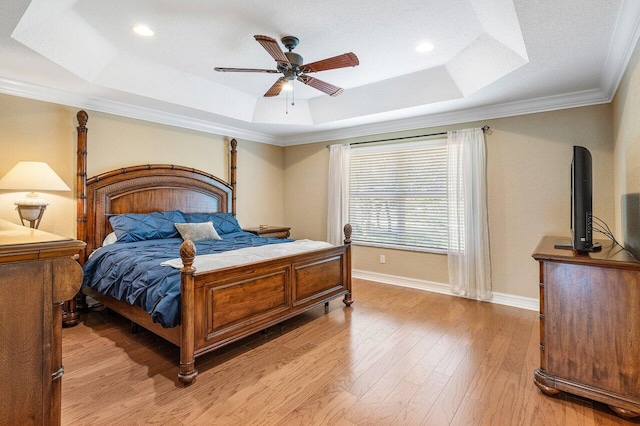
{"x":398,"y":195}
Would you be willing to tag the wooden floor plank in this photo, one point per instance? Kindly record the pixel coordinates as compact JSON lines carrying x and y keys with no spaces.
{"x":397,"y":356}
{"x":396,"y":401}
{"x":335,"y":410}
{"x":385,"y":362}
{"x":448,"y":402}
{"x":416,"y":410}
{"x":304,"y":413}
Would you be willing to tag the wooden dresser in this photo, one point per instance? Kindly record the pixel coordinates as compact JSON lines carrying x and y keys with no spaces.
{"x":37,"y":273}
{"x":590,"y":325}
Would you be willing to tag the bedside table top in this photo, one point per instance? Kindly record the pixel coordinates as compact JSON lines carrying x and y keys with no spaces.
{"x":19,"y":242}
{"x":267,"y":229}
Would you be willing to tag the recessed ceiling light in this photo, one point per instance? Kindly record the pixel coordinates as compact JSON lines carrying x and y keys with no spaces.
{"x":425,"y":47}
{"x":143,"y":30}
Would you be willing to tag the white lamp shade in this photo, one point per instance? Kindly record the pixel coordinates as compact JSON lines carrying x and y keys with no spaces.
{"x":32,"y":176}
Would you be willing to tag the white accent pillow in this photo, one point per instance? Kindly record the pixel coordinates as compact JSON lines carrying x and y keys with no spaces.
{"x":197,"y":231}
{"x":109,"y":239}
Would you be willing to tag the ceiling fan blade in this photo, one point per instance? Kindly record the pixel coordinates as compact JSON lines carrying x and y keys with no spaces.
{"x":276,"y":88}
{"x":271,"y":46}
{"x":245,"y":70}
{"x":323,"y":86}
{"x":341,"y":61}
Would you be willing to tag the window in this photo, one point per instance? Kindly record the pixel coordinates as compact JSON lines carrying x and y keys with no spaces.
{"x":398,"y":195}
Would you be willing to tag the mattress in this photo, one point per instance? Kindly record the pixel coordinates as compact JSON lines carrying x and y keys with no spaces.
{"x":133,"y":272}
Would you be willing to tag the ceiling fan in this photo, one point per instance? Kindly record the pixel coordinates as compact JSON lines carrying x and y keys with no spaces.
{"x":291,"y":66}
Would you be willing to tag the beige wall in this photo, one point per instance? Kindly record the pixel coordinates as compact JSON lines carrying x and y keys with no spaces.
{"x":528,"y":176}
{"x":528,"y":163}
{"x":626,"y":125}
{"x":528,"y":170}
{"x":40,"y":131}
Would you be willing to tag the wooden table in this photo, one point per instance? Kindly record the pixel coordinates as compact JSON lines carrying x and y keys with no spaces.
{"x":590,"y":325}
{"x":270,"y":231}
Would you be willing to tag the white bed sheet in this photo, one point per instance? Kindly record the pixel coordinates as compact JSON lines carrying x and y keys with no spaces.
{"x":211,"y":262}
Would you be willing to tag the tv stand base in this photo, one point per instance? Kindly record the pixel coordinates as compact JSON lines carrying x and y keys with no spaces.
{"x":551,"y":385}
{"x":594,"y":248}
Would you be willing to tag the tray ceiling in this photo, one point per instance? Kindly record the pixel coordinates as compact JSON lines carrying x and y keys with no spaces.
{"x":488,"y":55}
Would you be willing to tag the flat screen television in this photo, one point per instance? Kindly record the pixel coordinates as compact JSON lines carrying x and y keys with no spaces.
{"x":581,"y":203}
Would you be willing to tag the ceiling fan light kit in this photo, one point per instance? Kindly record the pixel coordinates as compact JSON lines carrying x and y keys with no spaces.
{"x":292,"y":67}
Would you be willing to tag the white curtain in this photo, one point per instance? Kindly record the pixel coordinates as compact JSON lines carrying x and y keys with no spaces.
{"x":468,"y":251}
{"x":338,"y":203}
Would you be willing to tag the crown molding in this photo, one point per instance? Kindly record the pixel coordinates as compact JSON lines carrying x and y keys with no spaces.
{"x":530,"y":106}
{"x":621,"y":47}
{"x":46,"y":94}
{"x":510,"y":109}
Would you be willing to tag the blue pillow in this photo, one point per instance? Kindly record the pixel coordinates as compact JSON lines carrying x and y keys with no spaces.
{"x":224,"y":223}
{"x":130,"y":227}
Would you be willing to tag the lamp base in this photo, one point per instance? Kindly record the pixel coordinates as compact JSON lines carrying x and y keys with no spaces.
{"x":30,"y":212}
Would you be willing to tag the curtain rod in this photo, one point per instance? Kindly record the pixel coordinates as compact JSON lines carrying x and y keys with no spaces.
{"x":484,"y":129}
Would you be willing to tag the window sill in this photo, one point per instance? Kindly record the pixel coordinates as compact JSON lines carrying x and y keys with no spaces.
{"x":398,"y":247}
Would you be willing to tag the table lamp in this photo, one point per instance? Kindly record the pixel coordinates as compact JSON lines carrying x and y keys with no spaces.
{"x":32,"y":176}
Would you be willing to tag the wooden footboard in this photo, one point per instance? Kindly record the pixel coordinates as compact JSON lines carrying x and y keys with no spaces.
{"x":231,"y":303}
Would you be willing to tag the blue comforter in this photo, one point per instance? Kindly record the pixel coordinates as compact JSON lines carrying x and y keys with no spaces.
{"x":131,"y":271}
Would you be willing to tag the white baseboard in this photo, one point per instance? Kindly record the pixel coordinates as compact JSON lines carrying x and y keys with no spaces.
{"x":436,"y":287}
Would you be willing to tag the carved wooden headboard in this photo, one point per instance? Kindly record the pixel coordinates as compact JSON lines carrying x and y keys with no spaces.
{"x":144,"y":189}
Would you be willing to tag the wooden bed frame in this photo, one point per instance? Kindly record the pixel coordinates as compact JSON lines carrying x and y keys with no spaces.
{"x":217,"y":307}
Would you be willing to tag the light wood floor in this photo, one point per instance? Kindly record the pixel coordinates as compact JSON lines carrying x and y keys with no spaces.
{"x":398,"y":356}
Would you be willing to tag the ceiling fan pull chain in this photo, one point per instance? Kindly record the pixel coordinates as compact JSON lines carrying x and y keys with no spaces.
{"x":293,"y":93}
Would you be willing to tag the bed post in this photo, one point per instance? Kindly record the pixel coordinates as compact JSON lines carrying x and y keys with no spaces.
{"x":81,"y":178}
{"x":187,"y":372}
{"x":234,"y":167}
{"x":348,"y":299}
{"x":70,"y":310}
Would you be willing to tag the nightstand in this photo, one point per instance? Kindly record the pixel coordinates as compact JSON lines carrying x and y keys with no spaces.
{"x":270,"y":231}
{"x":37,"y":273}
